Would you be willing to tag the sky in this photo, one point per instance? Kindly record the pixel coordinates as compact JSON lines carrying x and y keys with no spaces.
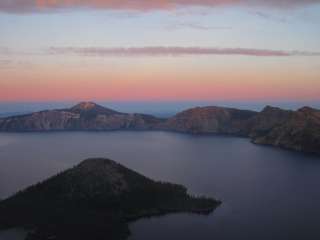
{"x":161,"y":50}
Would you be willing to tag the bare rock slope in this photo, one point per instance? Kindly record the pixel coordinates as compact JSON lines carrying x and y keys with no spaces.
{"x":83,"y":116}
{"x":297,"y":130}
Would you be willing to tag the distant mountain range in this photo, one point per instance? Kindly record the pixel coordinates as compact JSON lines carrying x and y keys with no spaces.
{"x":10,"y":114}
{"x":95,"y":200}
{"x":297,"y":130}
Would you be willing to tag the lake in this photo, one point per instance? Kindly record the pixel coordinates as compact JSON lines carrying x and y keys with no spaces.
{"x":267,"y":193}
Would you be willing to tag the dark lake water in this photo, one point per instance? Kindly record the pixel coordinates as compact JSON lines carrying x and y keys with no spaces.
{"x":267,"y":193}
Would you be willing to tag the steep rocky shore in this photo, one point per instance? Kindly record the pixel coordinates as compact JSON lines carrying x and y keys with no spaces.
{"x":207,"y":120}
{"x":297,"y":130}
{"x":83,"y":116}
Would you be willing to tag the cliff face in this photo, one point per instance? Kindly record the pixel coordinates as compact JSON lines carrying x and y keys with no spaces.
{"x":266,"y":120}
{"x":211,"y":120}
{"x":84,"y":116}
{"x":94,"y":200}
{"x":296,"y":130}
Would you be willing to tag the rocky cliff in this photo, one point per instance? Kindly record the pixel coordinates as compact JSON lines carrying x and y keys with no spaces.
{"x":83,"y":116}
{"x":211,"y":120}
{"x":297,"y":130}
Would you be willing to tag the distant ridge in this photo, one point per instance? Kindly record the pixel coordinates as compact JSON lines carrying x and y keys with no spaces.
{"x":296,"y":130}
{"x":83,"y":116}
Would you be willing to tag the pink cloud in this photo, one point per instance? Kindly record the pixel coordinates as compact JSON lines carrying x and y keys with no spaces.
{"x":140,"y":5}
{"x":195,"y":26}
{"x":176,"y":51}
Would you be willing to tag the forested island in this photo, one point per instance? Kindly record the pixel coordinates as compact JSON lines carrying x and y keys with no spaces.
{"x":95,"y":200}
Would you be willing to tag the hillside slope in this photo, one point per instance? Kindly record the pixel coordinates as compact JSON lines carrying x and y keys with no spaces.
{"x":95,"y":200}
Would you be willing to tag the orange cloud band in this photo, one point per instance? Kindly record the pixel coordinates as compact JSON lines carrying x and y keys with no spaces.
{"x":38,"y":5}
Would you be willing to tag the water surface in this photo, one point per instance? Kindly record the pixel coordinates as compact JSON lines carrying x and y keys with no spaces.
{"x":267,"y":193}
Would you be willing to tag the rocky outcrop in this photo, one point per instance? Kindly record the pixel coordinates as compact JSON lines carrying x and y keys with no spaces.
{"x":266,"y":120}
{"x":95,"y":200}
{"x":211,"y":120}
{"x":83,"y":116}
{"x":296,"y":130}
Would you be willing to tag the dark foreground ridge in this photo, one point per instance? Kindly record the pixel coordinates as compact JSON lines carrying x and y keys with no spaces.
{"x":296,"y":130}
{"x":95,"y":200}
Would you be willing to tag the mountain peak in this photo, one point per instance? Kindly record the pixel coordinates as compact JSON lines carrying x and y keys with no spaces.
{"x":92,"y":108}
{"x":85,"y":105}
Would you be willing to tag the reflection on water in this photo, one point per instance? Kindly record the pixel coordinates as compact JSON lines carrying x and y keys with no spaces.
{"x":267,"y":193}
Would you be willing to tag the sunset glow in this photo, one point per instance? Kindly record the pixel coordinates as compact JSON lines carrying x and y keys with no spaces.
{"x":159,"y":50}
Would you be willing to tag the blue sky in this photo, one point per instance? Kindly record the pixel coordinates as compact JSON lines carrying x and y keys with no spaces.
{"x":295,"y":29}
{"x":30,"y":71}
